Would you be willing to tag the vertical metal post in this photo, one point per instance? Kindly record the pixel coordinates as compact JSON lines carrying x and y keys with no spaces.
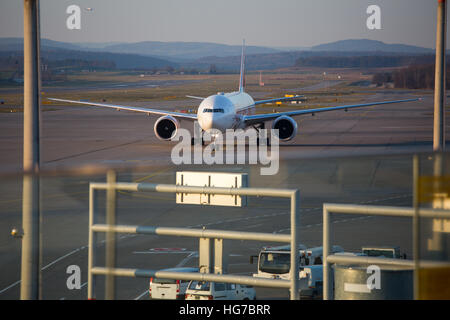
{"x":204,"y":255}
{"x":327,"y":229}
{"x":220,"y":256}
{"x":38,"y":28}
{"x":416,"y":225}
{"x":31,"y":86}
{"x":294,"y":272}
{"x":92,"y":242}
{"x":440,"y":75}
{"x":439,"y":111}
{"x":110,"y":281}
{"x":437,"y":242}
{"x":29,"y":288}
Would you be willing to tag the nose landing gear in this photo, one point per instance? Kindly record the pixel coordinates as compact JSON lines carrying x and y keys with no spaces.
{"x":193,"y":141}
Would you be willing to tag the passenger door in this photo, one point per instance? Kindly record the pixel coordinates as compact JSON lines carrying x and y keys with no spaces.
{"x":220,"y":291}
{"x":233,"y":291}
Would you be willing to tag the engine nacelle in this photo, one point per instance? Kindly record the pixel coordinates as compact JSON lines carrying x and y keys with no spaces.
{"x":287,"y":127}
{"x":166,"y":127}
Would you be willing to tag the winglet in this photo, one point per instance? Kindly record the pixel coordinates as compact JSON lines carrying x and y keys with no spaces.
{"x":242,"y":77}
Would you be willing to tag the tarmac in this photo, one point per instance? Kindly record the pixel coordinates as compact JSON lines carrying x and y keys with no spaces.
{"x":361,"y":156}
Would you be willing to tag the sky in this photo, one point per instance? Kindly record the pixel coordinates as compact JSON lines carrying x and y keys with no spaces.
{"x":276,"y":23}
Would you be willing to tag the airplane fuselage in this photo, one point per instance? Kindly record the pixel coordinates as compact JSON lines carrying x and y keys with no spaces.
{"x":224,"y":111}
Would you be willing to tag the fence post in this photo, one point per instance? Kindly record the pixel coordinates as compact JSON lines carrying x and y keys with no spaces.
{"x":204,"y":255}
{"x":30,"y":264}
{"x":295,"y":198}
{"x":220,"y":256}
{"x":92,"y":242}
{"x":327,"y":283}
{"x":111,"y":202}
{"x":416,"y":225}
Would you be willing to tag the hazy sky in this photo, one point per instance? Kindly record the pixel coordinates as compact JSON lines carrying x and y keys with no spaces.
{"x":260,"y":22}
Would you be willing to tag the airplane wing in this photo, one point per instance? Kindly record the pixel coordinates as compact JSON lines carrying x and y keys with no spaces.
{"x":277,"y":100}
{"x":187,"y":116}
{"x":196,"y":97}
{"x":260,"y":118}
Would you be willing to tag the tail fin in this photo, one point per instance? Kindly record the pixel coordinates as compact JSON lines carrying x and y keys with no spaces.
{"x":242,"y":77}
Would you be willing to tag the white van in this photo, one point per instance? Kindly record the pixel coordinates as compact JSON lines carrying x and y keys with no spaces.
{"x":169,"y":288}
{"x":204,"y":290}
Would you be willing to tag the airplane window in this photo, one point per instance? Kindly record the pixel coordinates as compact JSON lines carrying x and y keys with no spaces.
{"x":213,"y":110}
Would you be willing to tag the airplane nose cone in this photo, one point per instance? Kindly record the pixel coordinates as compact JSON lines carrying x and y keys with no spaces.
{"x":206,"y":121}
{"x":212,"y":112}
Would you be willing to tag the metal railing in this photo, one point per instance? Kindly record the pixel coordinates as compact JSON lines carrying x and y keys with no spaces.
{"x":415,"y":213}
{"x":94,"y":228}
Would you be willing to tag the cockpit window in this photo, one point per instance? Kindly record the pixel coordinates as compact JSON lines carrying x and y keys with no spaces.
{"x":213,"y":110}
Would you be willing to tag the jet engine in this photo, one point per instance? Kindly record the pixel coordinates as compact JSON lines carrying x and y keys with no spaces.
{"x":287,"y":127}
{"x":166,"y":127}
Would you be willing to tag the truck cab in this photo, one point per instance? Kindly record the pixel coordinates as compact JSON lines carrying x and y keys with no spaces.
{"x":275,"y":263}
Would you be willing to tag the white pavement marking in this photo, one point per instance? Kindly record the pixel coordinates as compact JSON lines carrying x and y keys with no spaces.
{"x":141,"y":295}
{"x":46,"y":267}
{"x":183,"y":262}
{"x":14,"y":284}
{"x":162,"y":252}
{"x":63,"y":257}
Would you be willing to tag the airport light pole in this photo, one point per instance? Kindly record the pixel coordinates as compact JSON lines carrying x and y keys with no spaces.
{"x":29,"y":288}
{"x":437,"y":241}
{"x":439,"y":84}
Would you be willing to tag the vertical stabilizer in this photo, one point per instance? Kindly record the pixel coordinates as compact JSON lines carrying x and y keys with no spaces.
{"x":242,"y":77}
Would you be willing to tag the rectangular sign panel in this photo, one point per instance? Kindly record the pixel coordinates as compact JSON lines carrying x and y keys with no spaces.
{"x":212,"y":179}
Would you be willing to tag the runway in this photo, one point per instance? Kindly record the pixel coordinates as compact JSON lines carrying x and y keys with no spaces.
{"x":361,"y":156}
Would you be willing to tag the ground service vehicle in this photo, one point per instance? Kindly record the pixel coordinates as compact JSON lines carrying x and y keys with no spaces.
{"x":204,"y":290}
{"x":275,"y":263}
{"x":169,"y":288}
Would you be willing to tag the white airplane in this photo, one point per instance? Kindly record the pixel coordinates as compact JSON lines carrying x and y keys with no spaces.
{"x":234,"y":110}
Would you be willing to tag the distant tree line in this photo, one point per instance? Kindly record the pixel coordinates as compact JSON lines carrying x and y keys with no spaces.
{"x":412,"y":77}
{"x":373,"y":61}
{"x":78,"y":64}
{"x":11,"y":63}
{"x":16,"y":63}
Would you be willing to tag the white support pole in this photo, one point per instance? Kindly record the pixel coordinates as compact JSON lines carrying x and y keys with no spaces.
{"x":29,"y":288}
{"x":294,"y":272}
{"x":416,"y":225}
{"x":440,"y":74}
{"x":220,"y":256}
{"x":111,"y":250}
{"x":327,"y":284}
{"x":205,"y":255}
{"x":92,"y":243}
